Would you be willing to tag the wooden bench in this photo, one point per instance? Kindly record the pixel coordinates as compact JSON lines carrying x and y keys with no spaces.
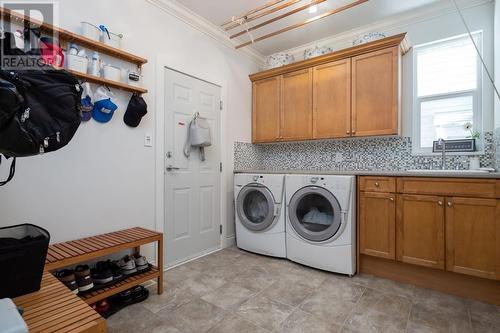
{"x":54,"y":308}
{"x":90,"y":248}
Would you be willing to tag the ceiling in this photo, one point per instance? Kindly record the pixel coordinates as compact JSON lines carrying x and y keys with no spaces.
{"x":220,"y":11}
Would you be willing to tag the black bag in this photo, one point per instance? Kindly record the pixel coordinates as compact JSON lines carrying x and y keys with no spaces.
{"x":45,"y":115}
{"x":39,"y":109}
{"x":23,"y":250}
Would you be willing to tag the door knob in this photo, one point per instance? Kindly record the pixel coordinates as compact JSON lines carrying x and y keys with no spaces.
{"x":440,"y":203}
{"x":172,"y":168}
{"x":450,"y":204}
{"x":377,"y":185}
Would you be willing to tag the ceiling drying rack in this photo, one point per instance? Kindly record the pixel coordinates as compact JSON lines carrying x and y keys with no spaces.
{"x":66,"y":36}
{"x":275,"y":6}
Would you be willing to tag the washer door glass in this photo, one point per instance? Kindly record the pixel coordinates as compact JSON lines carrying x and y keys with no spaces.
{"x":255,"y":207}
{"x":315,"y":213}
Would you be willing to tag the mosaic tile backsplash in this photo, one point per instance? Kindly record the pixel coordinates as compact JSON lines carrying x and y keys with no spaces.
{"x":388,"y":154}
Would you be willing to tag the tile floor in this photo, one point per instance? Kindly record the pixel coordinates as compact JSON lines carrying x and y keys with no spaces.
{"x":232,"y":291}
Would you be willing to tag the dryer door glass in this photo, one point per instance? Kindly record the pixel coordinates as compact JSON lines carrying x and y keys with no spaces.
{"x":255,"y":207}
{"x":315,"y":213}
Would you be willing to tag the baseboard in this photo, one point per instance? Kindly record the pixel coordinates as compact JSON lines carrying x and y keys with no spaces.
{"x":229,"y":241}
{"x":447,"y":282}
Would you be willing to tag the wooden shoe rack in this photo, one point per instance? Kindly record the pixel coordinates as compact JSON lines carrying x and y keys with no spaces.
{"x":91,"y":248}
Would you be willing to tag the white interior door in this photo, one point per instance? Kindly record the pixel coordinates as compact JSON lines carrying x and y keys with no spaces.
{"x":192,"y":186}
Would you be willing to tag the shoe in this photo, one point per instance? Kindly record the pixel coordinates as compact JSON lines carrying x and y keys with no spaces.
{"x":141,"y":262}
{"x":83,"y":279}
{"x":102,"y":306}
{"x":116,"y":271}
{"x":101,"y":273}
{"x":127,"y":264}
{"x":67,"y":277}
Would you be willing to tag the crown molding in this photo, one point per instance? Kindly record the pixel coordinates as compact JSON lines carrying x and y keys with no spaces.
{"x":394,"y":23}
{"x":201,"y":24}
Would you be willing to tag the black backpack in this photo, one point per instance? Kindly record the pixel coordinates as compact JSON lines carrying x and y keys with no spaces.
{"x":39,"y":112}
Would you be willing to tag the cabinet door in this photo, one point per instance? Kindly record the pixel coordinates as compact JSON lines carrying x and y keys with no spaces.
{"x":420,"y":230}
{"x":266,"y":110}
{"x":473,"y":237}
{"x":375,"y":93}
{"x":332,"y":100}
{"x":377,"y":224}
{"x":296,"y":105}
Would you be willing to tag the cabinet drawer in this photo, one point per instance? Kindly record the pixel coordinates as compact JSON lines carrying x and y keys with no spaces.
{"x":377,"y":184}
{"x":476,"y":188}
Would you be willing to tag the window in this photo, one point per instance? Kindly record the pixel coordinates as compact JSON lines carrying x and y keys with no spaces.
{"x":447,"y":91}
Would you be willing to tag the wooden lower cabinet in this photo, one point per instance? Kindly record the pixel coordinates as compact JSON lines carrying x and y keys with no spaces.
{"x":420,"y":230}
{"x":377,"y":223}
{"x":473,"y":237}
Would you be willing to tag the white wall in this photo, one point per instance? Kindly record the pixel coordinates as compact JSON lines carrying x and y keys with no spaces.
{"x":104,"y":180}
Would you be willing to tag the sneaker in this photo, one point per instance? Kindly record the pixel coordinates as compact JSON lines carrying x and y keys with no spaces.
{"x":127,"y":264}
{"x":67,"y":277}
{"x":141,"y":262}
{"x":83,"y":279}
{"x":101,"y":274}
{"x":115,"y":270}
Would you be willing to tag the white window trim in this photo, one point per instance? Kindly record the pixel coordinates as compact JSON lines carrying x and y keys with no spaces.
{"x":477,"y":95}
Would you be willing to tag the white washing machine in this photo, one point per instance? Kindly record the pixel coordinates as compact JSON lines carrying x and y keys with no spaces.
{"x":260,"y":213}
{"x":321,"y":222}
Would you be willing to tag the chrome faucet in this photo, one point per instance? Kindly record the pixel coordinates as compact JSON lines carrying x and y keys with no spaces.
{"x":442,"y":143}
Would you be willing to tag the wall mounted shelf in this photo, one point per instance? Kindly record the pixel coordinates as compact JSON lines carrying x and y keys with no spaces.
{"x":109,"y":83}
{"x":68,"y":36}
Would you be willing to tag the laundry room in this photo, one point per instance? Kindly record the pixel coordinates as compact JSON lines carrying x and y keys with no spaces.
{"x":190,"y":166}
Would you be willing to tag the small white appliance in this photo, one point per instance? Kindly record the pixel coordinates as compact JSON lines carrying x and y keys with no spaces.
{"x":321,"y":222}
{"x":260,"y":213}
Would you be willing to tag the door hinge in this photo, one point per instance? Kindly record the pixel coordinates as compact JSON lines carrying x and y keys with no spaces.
{"x":220,"y":229}
{"x":221,"y":105}
{"x":220,"y":166}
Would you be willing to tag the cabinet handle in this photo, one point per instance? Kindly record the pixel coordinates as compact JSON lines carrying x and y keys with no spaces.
{"x":348,"y":132}
{"x":377,"y":184}
{"x":391,"y":199}
{"x":450,"y":204}
{"x":440,"y":203}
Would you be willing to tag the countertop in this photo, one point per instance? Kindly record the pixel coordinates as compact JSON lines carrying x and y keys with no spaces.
{"x":438,"y":174}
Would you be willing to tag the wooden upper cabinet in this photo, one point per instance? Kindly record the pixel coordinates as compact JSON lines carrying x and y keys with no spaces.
{"x":375,"y":93}
{"x":350,"y":92}
{"x":420,"y":230}
{"x":296,"y":105}
{"x":332,"y":100}
{"x":473,"y":237}
{"x":266,"y":110}
{"x":377,"y":224}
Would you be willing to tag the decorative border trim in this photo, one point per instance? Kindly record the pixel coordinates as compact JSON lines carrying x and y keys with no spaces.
{"x":203,"y":25}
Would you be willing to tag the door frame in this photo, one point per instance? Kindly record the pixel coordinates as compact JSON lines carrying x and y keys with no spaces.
{"x":161,"y":64}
